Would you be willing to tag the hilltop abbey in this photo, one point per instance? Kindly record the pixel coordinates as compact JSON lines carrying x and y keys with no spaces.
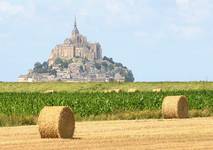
{"x":77,"y":60}
{"x":76,"y":46}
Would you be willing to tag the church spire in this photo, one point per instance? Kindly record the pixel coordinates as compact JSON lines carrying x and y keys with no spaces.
{"x":75,"y":30}
{"x":75,"y":23}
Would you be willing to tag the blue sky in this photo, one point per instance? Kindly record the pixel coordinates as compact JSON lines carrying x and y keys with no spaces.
{"x":159,"y":40}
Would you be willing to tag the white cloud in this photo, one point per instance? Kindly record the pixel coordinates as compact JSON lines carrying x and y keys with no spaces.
{"x":187,"y":32}
{"x":192,"y":16}
{"x":126,"y":11}
{"x":117,"y":12}
{"x":183,"y":4}
{"x":10,"y":9}
{"x":185,"y":20}
{"x":17,"y":11}
{"x":149,"y":37}
{"x":194,"y":11}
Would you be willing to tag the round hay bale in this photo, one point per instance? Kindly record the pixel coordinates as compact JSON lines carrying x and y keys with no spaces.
{"x":132,"y":90}
{"x":56,"y":122}
{"x":107,"y":91}
{"x":157,"y":90}
{"x":117,"y":90}
{"x":49,"y":91}
{"x":175,"y":107}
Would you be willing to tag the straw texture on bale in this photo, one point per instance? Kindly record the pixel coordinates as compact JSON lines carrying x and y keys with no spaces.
{"x":56,"y":122}
{"x":175,"y":107}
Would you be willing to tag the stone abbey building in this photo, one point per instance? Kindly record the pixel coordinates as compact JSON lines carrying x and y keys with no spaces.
{"x":80,"y":61}
{"x":76,"y":46}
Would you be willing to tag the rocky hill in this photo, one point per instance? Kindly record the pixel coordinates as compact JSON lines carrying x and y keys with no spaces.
{"x":80,"y":70}
{"x":77,"y":60}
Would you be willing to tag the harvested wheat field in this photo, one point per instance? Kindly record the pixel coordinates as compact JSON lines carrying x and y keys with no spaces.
{"x":196,"y":133}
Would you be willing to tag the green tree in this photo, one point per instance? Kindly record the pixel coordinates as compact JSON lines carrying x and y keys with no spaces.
{"x":119,"y":65}
{"x":45,"y":66}
{"x":37,"y":67}
{"x":110,"y":67}
{"x":98,"y":66}
{"x":58,"y":61}
{"x":41,"y":68}
{"x":129,"y":76}
{"x":108,"y":59}
{"x":105,"y":65}
{"x":53,"y":72}
{"x":62,"y":63}
{"x":81,"y":69}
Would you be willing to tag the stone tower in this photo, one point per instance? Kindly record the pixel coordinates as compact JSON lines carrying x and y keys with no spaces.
{"x":75,"y":31}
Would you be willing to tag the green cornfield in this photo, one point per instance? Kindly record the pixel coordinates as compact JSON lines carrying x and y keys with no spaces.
{"x":97,"y":103}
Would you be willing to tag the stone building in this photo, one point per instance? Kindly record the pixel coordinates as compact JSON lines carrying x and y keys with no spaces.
{"x":76,"y":46}
{"x":85,"y":64}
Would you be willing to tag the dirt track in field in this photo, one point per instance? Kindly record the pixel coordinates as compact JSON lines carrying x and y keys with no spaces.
{"x":194,"y":133}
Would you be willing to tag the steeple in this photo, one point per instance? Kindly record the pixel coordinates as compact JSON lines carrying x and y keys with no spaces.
{"x":75,"y":23}
{"x":75,"y":30}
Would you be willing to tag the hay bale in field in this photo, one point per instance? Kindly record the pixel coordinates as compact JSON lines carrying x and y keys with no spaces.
{"x":175,"y":107}
{"x":49,"y":91}
{"x":56,"y":122}
{"x":157,"y":90}
{"x":117,"y":90}
{"x":132,"y":90}
{"x":113,"y":90}
{"x":107,"y":91}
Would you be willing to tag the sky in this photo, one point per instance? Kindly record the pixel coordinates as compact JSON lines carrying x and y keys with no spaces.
{"x":159,"y":40}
